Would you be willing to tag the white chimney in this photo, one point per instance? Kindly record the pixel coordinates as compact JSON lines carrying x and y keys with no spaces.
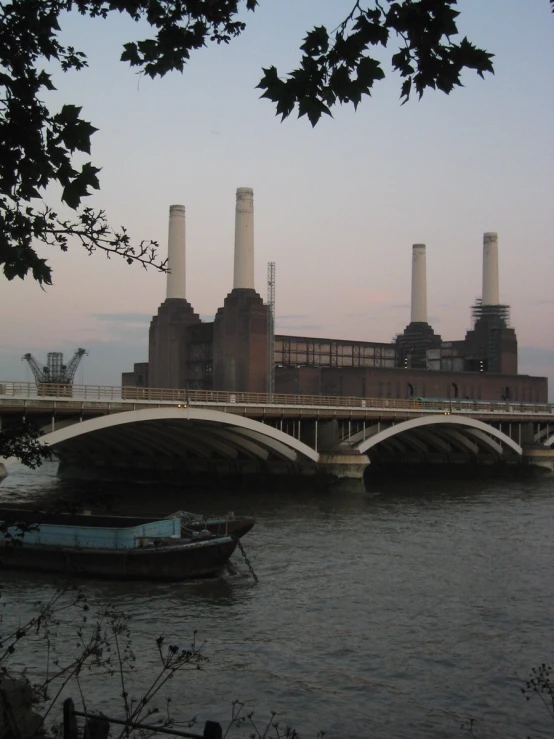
{"x":490,"y":269}
{"x":419,"y":284}
{"x":244,"y":239}
{"x":176,"y":277}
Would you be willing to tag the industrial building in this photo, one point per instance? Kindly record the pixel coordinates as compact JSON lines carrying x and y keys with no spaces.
{"x":238,"y":351}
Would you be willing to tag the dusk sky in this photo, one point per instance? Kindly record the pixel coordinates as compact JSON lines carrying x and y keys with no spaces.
{"x":337,"y":207}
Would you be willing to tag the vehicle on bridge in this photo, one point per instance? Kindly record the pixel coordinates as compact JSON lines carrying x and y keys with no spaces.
{"x":112,"y":547}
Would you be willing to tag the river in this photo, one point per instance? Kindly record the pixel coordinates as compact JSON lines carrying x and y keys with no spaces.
{"x":400,"y":614}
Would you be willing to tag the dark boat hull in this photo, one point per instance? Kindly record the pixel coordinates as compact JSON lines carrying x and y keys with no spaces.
{"x":175,"y":562}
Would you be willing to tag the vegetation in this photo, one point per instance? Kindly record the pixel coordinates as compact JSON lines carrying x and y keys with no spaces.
{"x":40,"y":147}
{"x":22,"y":441}
{"x":81,"y":649}
{"x":540,"y":685}
{"x":100,"y":649}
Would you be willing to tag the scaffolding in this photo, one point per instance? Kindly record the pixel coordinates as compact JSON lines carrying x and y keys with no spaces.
{"x":499,"y":314}
{"x":271,"y":328}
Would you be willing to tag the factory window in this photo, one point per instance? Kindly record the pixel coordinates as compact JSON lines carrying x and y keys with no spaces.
{"x":409,"y":390}
{"x":389,"y":390}
{"x":380,"y":390}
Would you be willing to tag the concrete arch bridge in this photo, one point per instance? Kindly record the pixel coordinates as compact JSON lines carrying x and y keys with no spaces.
{"x":435,"y":440}
{"x":191,"y":443}
{"x":177,"y":443}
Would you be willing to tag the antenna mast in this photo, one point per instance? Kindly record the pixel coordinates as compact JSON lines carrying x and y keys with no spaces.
{"x":271,"y":328}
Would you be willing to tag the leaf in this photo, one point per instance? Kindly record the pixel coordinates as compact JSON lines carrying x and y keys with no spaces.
{"x":78,"y":187}
{"x":339,"y":82}
{"x":313,"y":108}
{"x":316,"y":42}
{"x":130,"y":54}
{"x":405,"y":91}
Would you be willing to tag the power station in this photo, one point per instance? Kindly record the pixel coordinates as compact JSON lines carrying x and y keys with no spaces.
{"x":239,"y":352}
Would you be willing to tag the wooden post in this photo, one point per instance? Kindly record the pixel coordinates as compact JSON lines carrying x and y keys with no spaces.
{"x":70,"y":728}
{"x":97,"y":728}
{"x":212,"y":730}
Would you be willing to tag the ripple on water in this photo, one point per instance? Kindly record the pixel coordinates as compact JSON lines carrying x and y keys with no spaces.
{"x":399,"y":615}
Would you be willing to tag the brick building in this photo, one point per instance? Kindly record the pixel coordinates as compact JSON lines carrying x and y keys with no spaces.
{"x":232,"y":353}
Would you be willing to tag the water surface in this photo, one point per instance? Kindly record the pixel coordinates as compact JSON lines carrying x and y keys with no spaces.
{"x":399,"y":613}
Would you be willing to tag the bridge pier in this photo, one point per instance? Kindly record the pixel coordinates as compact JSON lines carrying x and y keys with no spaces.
{"x":346,"y":466}
{"x":539,"y":456}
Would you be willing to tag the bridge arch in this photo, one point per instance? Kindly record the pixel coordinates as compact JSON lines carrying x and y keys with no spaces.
{"x":477,"y":429}
{"x":176,"y":431}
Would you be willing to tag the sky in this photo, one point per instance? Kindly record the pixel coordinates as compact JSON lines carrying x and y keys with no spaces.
{"x":337,"y":208}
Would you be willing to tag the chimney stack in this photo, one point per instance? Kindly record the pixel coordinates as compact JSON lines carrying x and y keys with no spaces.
{"x":244,"y":239}
{"x":419,"y":284}
{"x":490,"y":269}
{"x":176,"y":277}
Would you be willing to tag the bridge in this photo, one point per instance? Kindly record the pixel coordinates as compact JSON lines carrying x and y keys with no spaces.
{"x":111,"y":432}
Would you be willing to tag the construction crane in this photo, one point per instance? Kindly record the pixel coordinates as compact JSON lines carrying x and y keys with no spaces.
{"x":271,"y":328}
{"x":55,"y":372}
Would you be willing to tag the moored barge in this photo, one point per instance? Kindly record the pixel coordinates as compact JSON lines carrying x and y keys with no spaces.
{"x":114,"y":547}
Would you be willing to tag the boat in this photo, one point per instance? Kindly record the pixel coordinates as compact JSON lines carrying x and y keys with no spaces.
{"x":114,"y":547}
{"x":229,"y":524}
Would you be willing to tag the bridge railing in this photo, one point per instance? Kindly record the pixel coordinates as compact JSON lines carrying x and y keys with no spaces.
{"x":102,"y":393}
{"x":420,"y":404}
{"x":112,"y":394}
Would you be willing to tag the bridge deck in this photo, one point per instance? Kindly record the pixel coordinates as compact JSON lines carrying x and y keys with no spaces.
{"x":92,"y":400}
